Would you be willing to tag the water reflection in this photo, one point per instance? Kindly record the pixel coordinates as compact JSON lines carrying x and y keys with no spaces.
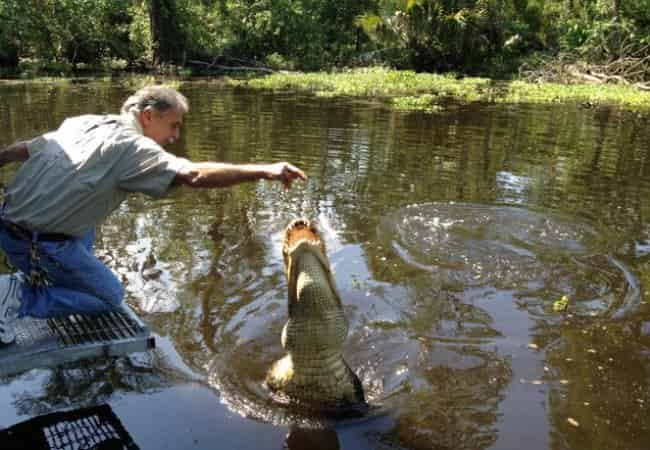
{"x":452,"y":329}
{"x":312,"y":439}
{"x":91,"y":383}
{"x":536,"y":257}
{"x":403,"y":373}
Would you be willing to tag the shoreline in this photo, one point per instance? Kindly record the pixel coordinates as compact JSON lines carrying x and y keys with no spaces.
{"x":400,"y":90}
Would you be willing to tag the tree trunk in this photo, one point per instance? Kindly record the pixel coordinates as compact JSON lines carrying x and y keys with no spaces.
{"x":168,"y":40}
{"x":8,"y":55}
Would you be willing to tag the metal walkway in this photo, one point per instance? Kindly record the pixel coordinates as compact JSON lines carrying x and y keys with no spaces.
{"x":50,"y":342}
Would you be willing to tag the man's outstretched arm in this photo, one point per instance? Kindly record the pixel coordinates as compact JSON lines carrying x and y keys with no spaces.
{"x":15,"y":152}
{"x":213,"y":174}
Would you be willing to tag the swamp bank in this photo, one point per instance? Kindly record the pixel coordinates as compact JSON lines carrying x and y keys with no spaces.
{"x":397,"y":89}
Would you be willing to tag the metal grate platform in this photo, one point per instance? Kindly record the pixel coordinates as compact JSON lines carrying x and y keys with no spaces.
{"x":50,"y":342}
{"x":97,"y":427}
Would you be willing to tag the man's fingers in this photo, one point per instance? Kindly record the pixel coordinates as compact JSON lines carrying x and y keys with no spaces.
{"x":295,"y":172}
{"x":287,"y":178}
{"x":286,"y":173}
{"x":289,"y":174}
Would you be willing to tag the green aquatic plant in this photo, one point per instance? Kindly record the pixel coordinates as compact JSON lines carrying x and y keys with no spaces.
{"x":590,"y":94}
{"x":561,"y":305}
{"x":408,"y":90}
{"x":425,"y":102}
{"x":374,"y":82}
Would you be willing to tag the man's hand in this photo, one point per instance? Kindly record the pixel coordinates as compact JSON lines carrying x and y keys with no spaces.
{"x":286,"y":173}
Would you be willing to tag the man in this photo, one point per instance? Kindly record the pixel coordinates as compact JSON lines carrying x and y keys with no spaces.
{"x":74,"y":177}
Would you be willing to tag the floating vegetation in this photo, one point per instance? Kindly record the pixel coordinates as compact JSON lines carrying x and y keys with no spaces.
{"x":407,"y":90}
{"x":425,"y":102}
{"x":587,"y":94}
{"x":561,"y":305}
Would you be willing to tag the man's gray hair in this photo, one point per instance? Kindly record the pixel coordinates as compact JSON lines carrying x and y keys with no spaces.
{"x":161,"y":98}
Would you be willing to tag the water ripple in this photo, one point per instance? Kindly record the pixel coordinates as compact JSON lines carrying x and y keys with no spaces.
{"x":539,"y":257}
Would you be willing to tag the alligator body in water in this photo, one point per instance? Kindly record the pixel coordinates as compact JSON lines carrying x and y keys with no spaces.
{"x":313,"y":374}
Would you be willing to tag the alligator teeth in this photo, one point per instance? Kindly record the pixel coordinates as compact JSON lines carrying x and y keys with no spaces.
{"x":302,"y":222}
{"x":300,"y":230}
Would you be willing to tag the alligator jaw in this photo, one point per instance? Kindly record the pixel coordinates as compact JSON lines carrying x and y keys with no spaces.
{"x":297,"y":232}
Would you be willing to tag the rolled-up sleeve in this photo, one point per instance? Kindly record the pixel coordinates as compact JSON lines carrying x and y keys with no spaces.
{"x":37,"y":144}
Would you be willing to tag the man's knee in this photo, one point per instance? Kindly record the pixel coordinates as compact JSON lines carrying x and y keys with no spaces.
{"x":114,"y":294}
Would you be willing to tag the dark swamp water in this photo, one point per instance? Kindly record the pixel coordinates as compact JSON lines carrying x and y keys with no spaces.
{"x":451,"y":236}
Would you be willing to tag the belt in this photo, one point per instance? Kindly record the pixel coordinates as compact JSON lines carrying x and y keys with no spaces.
{"x":18,"y":232}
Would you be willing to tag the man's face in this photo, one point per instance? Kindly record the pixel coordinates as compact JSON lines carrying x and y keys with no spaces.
{"x":164,"y":128}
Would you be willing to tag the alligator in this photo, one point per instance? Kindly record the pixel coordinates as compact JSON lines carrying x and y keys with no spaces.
{"x":313,"y":373}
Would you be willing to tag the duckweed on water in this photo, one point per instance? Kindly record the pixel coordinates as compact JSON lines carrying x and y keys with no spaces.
{"x":424,"y":102}
{"x":561,"y":305}
{"x":625,"y":96}
{"x":407,"y":90}
{"x":377,"y":82}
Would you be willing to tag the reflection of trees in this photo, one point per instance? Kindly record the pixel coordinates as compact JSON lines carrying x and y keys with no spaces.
{"x":431,"y":363}
{"x":312,"y":439}
{"x":385,"y":159}
{"x":599,"y":377}
{"x":209,"y":250}
{"x":387,"y":167}
{"x":441,"y":383}
{"x":85,"y":384}
{"x":236,"y":274}
{"x":437,"y":312}
{"x":458,"y":411}
{"x":576,"y":160}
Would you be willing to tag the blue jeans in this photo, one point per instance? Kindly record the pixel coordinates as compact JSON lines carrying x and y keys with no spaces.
{"x":77,"y":281}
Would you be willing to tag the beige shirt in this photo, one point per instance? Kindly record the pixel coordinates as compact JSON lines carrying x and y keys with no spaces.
{"x":77,"y":175}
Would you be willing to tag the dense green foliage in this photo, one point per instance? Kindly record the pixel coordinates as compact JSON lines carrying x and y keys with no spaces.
{"x":65,"y":33}
{"x":471,"y":36}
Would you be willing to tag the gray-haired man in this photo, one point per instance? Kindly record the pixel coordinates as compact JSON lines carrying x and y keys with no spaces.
{"x":74,"y":177}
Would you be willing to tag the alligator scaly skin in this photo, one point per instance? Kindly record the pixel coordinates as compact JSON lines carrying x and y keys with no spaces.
{"x":313,"y":373}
